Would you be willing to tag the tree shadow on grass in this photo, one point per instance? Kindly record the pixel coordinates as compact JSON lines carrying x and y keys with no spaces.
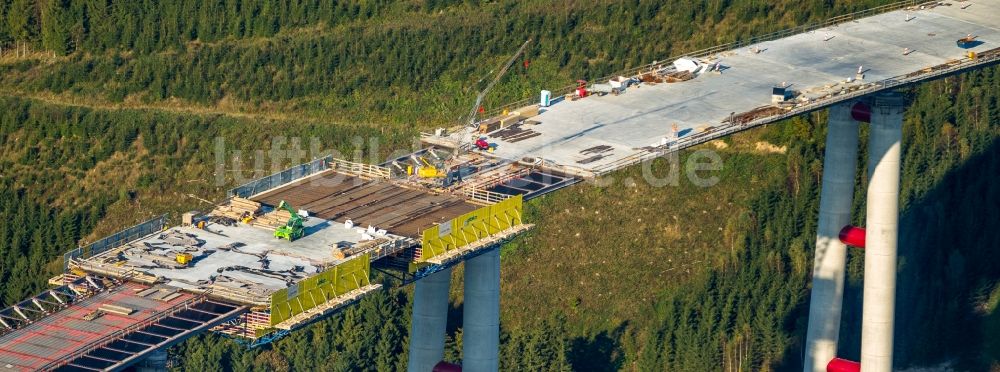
{"x":600,"y":352}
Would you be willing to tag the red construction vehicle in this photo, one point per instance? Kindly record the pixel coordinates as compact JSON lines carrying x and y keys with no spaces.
{"x":481,"y":144}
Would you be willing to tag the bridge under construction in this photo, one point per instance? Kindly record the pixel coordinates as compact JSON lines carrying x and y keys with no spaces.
{"x":286,"y":250}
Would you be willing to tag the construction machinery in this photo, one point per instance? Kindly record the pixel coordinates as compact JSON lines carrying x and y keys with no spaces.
{"x":483,"y":145}
{"x":427,"y":170}
{"x":470,"y":119}
{"x":293,"y":228}
{"x":184,"y":258}
{"x":471,"y":116}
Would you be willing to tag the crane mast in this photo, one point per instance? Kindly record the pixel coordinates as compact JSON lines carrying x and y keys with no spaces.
{"x":471,"y":118}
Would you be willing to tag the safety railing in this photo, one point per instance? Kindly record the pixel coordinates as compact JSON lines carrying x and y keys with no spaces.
{"x":380,"y":249}
{"x":984,"y":58}
{"x":484,"y":196}
{"x":366,"y":171}
{"x":262,"y":184}
{"x":706,"y":52}
{"x":490,"y":181}
{"x":116,"y":240}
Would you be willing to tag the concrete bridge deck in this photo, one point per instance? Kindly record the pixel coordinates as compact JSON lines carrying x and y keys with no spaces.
{"x":597,"y":134}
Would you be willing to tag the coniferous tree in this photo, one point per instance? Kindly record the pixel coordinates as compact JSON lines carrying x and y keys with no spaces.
{"x":56,"y":23}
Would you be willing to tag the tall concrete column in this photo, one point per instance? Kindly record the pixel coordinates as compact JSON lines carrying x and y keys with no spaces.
{"x":429,"y":322}
{"x":836,"y":196}
{"x":155,"y":361}
{"x":877,"y":318}
{"x":481,"y":322}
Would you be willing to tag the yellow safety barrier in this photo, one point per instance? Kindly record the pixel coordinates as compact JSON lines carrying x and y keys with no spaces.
{"x":318,"y":289}
{"x":470,"y":227}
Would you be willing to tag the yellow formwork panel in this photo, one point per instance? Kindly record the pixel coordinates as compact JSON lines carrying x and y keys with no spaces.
{"x":472,"y":226}
{"x":505,"y":214}
{"x":280,"y":309}
{"x":315,"y":290}
{"x":352,"y":275}
{"x":430,"y":245}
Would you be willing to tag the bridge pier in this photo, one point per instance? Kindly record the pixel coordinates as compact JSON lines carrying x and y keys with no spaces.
{"x":429,"y":321}
{"x":878,"y":312}
{"x":481,"y":314}
{"x":836,"y":198}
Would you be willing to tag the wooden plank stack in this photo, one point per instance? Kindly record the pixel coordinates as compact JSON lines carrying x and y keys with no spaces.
{"x":508,"y":120}
{"x":528,"y":111}
{"x":237,"y":208}
{"x":273,"y":220}
{"x":341,"y":253}
{"x":115,"y":309}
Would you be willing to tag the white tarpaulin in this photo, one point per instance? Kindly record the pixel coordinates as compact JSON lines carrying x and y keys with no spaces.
{"x":686,"y":64}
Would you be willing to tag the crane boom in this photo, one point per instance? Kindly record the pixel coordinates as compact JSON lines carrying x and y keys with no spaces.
{"x":482,"y":94}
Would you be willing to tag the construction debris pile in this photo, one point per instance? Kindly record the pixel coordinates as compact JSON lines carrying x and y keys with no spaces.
{"x":174,"y":250}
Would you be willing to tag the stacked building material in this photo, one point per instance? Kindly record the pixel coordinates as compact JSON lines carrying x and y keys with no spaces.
{"x":515,"y":133}
{"x":528,"y":111}
{"x":341,"y":253}
{"x":651,"y":78}
{"x":237,"y":208}
{"x":115,"y":309}
{"x":508,"y":119}
{"x":273,"y":220}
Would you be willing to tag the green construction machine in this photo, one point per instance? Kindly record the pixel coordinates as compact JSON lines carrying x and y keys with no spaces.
{"x":293,"y":228}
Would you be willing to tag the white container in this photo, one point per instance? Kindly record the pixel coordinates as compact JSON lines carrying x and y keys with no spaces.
{"x":546,"y":99}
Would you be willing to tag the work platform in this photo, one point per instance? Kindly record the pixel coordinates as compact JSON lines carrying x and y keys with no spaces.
{"x":390,"y":206}
{"x":239,"y":263}
{"x":593,"y":135}
{"x":353,"y":215}
{"x":110,"y":328}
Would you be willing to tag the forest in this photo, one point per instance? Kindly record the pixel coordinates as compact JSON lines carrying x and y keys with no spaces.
{"x":342,"y":60}
{"x":114,"y":107}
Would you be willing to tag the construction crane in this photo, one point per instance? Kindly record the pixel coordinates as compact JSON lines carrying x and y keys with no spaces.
{"x":470,"y":119}
{"x":293,"y":228}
